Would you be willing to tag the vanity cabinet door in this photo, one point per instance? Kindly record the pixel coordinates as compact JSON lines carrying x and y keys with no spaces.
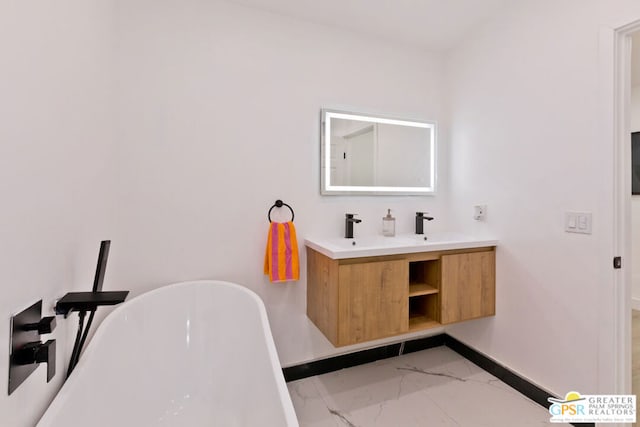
{"x":372,"y":300}
{"x":468,"y":286}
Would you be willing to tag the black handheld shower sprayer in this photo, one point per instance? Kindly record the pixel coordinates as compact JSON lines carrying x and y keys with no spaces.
{"x":88,"y":302}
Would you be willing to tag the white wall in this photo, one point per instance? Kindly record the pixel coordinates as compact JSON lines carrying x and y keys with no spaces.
{"x":526,"y":140}
{"x":219,"y":115}
{"x":56,"y":121}
{"x":635,"y":202}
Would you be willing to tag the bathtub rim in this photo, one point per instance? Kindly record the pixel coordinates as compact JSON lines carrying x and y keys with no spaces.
{"x":62,"y":395}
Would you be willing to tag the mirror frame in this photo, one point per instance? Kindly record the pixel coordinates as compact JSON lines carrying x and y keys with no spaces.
{"x":325,"y":156}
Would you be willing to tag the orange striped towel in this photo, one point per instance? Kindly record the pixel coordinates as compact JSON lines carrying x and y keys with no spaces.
{"x":281,"y":262}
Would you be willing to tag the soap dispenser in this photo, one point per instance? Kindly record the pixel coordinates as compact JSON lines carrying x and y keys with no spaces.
{"x":388,"y":225}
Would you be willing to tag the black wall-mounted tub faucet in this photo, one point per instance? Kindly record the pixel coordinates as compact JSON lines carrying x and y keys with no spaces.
{"x":88,"y":302}
{"x":348,"y":225}
{"x":420,"y":217}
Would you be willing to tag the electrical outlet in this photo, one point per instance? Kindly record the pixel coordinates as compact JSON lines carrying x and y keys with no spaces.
{"x":479,"y":212}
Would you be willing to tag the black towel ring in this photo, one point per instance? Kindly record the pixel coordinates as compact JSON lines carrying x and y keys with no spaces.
{"x":278,"y":204}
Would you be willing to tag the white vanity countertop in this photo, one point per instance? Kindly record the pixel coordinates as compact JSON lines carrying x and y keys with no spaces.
{"x":340,"y":248}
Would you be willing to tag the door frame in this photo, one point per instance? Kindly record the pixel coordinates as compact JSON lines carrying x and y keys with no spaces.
{"x":615,"y":85}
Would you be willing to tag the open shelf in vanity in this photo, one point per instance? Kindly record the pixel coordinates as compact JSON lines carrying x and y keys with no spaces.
{"x":424,"y":294}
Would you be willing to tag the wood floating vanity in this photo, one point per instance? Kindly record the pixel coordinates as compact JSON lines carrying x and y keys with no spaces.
{"x":370,"y":292}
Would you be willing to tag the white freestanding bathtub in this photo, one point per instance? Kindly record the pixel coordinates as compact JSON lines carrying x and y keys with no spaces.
{"x":191,"y":354}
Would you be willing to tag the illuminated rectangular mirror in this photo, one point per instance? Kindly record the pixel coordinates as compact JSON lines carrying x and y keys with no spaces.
{"x":365,"y":154}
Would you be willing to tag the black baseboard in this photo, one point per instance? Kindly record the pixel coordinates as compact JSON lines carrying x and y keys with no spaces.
{"x":504,"y":374}
{"x":335,"y":363}
{"x":499,"y":371}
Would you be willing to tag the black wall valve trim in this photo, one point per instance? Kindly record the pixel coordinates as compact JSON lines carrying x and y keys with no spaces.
{"x":37,"y":352}
{"x":27,"y":351}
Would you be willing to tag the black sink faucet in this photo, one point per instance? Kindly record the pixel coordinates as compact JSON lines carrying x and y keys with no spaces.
{"x":420,"y":221}
{"x":348,"y":225}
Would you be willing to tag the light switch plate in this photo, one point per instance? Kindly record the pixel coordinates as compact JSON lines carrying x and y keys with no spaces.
{"x":578,"y":222}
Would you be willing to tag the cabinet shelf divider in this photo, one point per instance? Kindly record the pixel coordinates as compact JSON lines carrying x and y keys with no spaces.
{"x":417,"y":289}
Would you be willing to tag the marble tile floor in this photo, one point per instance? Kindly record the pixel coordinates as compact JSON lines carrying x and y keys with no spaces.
{"x":434,"y":387}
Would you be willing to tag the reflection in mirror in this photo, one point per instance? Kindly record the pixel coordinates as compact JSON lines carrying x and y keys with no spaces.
{"x":364,"y":154}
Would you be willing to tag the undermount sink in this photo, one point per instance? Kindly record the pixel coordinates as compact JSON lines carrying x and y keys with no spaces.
{"x":340,"y":248}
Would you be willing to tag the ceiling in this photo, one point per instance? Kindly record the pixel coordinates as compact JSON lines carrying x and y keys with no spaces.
{"x":431,"y":24}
